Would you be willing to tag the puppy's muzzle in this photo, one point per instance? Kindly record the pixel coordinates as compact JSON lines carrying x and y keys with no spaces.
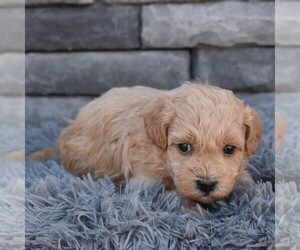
{"x":206,"y":186}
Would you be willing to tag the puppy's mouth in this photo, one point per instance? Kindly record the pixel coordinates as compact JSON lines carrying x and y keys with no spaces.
{"x":212,"y":197}
{"x":206,"y":199}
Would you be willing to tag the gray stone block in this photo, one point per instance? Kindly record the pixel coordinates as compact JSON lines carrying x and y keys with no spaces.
{"x":5,"y":3}
{"x":287,"y":69}
{"x":53,"y":109}
{"x":94,"y":73}
{"x":50,"y":2}
{"x":241,"y":69}
{"x":12,"y":74}
{"x":12,"y":29}
{"x":288,"y":23}
{"x":218,"y":24}
{"x":58,"y":109}
{"x":12,"y":133}
{"x":93,"y":27}
{"x":12,"y":110}
{"x":160,"y":1}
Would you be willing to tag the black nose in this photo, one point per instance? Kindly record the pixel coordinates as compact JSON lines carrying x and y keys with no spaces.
{"x":206,"y":186}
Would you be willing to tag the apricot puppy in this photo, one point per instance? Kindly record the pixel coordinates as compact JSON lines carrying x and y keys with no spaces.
{"x":196,"y":137}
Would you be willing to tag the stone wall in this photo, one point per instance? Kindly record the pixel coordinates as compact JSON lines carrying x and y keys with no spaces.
{"x":85,"y":47}
{"x":287,"y":46}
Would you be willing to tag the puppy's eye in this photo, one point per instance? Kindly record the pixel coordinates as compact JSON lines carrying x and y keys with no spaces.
{"x":184,"y":148}
{"x":229,"y":149}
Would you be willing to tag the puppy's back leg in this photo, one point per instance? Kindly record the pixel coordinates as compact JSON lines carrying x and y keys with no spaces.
{"x":42,"y":155}
{"x":18,"y":155}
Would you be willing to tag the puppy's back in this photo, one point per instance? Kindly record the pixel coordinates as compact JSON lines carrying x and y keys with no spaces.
{"x":99,"y":133}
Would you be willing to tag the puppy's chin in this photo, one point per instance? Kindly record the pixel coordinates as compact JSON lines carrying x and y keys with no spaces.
{"x":205,"y":199}
{"x":210,"y":198}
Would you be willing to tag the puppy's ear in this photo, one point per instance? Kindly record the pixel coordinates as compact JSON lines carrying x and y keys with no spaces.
{"x":254,"y":130}
{"x":158,"y":116}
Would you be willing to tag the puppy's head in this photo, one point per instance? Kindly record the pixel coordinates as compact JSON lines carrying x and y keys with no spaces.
{"x":207,"y":134}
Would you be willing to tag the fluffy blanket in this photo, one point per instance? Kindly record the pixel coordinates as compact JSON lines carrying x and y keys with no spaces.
{"x":288,"y":175}
{"x":12,"y":212}
{"x":12,"y":177}
{"x":65,"y":212}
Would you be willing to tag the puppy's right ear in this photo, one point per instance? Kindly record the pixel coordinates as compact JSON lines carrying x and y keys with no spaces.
{"x":158,"y":116}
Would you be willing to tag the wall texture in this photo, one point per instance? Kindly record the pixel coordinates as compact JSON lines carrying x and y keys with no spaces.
{"x":78,"y":49}
{"x":85,"y":47}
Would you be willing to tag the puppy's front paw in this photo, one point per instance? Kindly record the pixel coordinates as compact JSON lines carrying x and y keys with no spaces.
{"x":244,"y":179}
{"x":141,"y":180}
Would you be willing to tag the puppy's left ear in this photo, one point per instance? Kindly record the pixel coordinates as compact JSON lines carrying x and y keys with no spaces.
{"x":158,"y":116}
{"x":254,"y":130}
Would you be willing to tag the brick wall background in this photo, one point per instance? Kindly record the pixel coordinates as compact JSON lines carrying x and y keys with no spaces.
{"x":76,"y":49}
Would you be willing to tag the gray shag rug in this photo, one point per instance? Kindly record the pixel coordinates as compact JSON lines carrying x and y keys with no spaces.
{"x":12,"y":177}
{"x":288,"y":175}
{"x":12,"y":209}
{"x":65,"y":212}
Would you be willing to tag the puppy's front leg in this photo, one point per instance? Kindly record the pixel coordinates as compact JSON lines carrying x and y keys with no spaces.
{"x":167,"y":181}
{"x":146,"y":180}
{"x":244,"y":178}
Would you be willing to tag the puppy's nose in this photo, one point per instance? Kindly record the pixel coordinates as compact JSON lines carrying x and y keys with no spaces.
{"x":206,"y":186}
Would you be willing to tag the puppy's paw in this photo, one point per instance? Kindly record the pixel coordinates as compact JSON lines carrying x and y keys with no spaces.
{"x":141,"y":180}
{"x":245,"y":179}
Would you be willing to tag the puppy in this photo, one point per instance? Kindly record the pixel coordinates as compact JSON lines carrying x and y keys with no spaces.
{"x":196,"y":137}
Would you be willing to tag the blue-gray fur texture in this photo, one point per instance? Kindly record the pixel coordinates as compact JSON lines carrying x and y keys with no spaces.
{"x":66,"y":212}
{"x":12,"y":208}
{"x":288,"y":175}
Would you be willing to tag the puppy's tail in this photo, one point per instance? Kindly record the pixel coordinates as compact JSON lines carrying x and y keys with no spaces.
{"x":44,"y":154}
